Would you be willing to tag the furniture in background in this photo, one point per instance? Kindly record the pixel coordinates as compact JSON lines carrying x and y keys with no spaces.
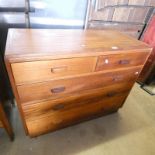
{"x":13,"y":14}
{"x":147,"y":76}
{"x":4,"y":122}
{"x":149,"y":38}
{"x":83,"y":74}
{"x":128,"y":16}
{"x":5,"y":88}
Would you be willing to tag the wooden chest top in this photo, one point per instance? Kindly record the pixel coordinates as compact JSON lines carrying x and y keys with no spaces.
{"x":37,"y":44}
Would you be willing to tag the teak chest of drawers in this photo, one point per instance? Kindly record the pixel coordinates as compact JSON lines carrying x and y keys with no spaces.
{"x":62,"y":77}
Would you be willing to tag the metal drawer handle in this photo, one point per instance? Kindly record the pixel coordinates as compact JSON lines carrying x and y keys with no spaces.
{"x":58,"y":90}
{"x":124,"y":62}
{"x":58,"y":107}
{"x":58,"y":69}
{"x":111,"y":94}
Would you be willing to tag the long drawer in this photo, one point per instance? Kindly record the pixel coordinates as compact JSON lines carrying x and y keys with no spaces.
{"x":72,"y":101}
{"x":58,"y":88}
{"x":54,"y":114}
{"x":38,"y":71}
{"x":115,"y":61}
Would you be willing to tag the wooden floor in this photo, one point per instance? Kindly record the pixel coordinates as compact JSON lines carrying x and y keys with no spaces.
{"x":131,"y":131}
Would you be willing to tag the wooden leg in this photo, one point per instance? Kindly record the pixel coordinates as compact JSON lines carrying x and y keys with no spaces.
{"x":6,"y":123}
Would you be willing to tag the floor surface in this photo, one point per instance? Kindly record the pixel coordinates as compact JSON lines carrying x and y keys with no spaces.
{"x":130,"y":131}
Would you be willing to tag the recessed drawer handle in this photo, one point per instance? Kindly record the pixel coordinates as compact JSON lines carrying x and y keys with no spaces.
{"x":124,"y":62}
{"x":111,"y":94}
{"x":58,"y":90}
{"x":58,"y":69}
{"x":58,"y":107}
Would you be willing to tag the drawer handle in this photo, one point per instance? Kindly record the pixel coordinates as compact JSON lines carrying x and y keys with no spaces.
{"x":111,"y":94}
{"x":58,"y":107}
{"x":124,"y":62}
{"x":58,"y":69}
{"x":58,"y":90}
{"x":118,"y":78}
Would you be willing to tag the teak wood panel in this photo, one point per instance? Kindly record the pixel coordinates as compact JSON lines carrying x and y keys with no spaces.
{"x":73,"y":101}
{"x":108,"y":62}
{"x":36,"y":44}
{"x":86,"y":94}
{"x":93,"y":107}
{"x":58,"y":88}
{"x":52,"y":69}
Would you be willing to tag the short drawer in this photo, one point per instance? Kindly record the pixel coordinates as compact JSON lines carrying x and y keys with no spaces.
{"x":51,"y":115}
{"x":38,"y":71}
{"x":115,"y":61}
{"x":59,"y":88}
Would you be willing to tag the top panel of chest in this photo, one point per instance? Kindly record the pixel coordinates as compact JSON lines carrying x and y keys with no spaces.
{"x":37,"y":44}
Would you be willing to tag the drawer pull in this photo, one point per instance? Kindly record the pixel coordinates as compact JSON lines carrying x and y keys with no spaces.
{"x":58,"y":69}
{"x":58,"y":107}
{"x":118,"y":78}
{"x":111,"y":94}
{"x":58,"y":90}
{"x":124,"y":62}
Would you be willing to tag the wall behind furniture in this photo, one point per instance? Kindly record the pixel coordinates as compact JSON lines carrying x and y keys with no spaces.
{"x":58,"y":13}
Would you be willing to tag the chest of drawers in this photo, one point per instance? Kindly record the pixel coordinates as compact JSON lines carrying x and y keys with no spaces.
{"x":62,"y":77}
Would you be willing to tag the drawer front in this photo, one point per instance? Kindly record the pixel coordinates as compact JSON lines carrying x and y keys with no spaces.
{"x":45,"y":70}
{"x":116,"y":61}
{"x":73,"y":101}
{"x":60,"y":120}
{"x":59,"y":88}
{"x":84,"y":108}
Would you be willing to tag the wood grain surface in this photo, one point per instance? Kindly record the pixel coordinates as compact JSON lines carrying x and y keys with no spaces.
{"x":124,"y":60}
{"x":75,"y":100}
{"x":43,"y":90}
{"x":54,"y":44}
{"x":53,"y":121}
{"x":62,"y":77}
{"x":53,"y":69}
